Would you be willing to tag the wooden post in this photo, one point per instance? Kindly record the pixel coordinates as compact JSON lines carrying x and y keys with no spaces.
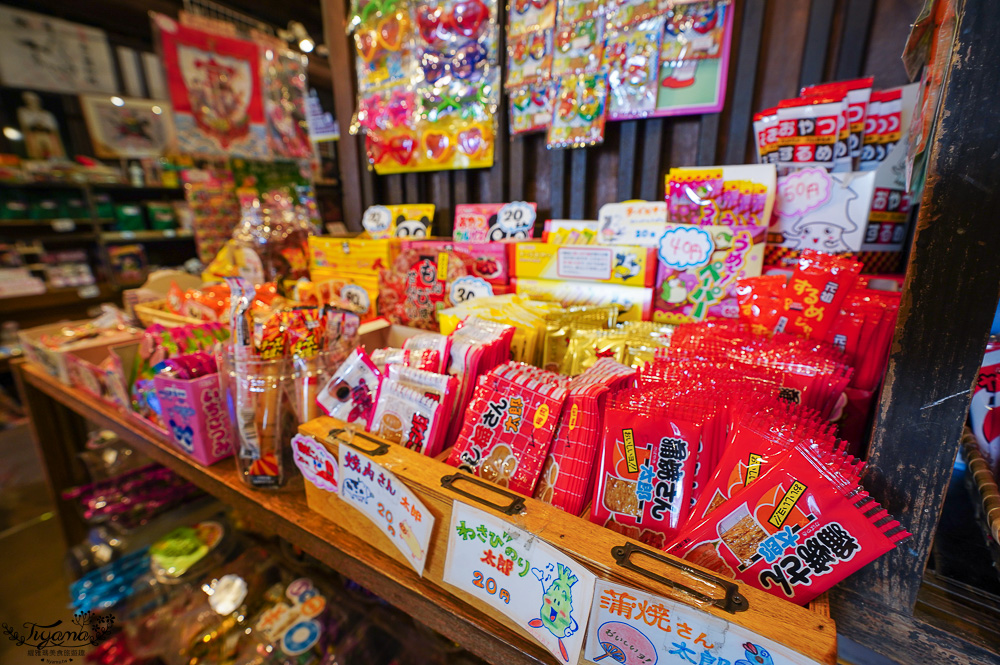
{"x":949,"y":296}
{"x":341,"y":71}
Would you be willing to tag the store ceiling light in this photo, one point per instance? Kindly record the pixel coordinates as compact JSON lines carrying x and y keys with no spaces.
{"x":299,"y":34}
{"x":118,"y":101}
{"x":306,"y":45}
{"x":12,"y":134}
{"x":156,"y":110}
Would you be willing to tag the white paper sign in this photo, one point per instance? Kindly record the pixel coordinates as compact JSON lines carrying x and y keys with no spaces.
{"x":823,"y":211}
{"x":632,"y":627}
{"x":315,"y":462}
{"x":544,"y":591}
{"x":631,"y":223}
{"x":388,"y":503}
{"x":584,"y":262}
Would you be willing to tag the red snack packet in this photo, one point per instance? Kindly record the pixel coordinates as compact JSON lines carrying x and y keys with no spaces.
{"x":760,"y":301}
{"x":566,"y":476}
{"x":815,"y":292}
{"x":808,"y":130}
{"x":797,"y":531}
{"x":508,"y":426}
{"x":405,"y":417}
{"x":424,"y":359}
{"x":647,"y":465}
{"x":859,"y":92}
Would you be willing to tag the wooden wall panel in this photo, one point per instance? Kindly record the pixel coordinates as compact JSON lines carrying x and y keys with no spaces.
{"x":778,"y":46}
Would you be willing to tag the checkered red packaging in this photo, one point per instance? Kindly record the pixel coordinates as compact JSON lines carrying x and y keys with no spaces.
{"x":425,"y":359}
{"x":796,"y":532}
{"x":440,"y":388}
{"x":406,"y":417}
{"x":509,"y":424}
{"x":566,"y":476}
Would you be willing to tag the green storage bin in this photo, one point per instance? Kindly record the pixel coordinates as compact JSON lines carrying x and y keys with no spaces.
{"x":75,"y":205}
{"x":104,"y":206}
{"x":46,"y":206}
{"x":128,"y":217}
{"x":161,"y":216}
{"x":14,"y":204}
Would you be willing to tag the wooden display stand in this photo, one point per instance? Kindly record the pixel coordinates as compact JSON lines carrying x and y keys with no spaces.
{"x":359,"y":551}
{"x":609,"y":555}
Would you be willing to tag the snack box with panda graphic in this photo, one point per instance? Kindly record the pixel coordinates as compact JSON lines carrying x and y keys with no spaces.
{"x":489,"y":222}
{"x":491,"y":259}
{"x":625,"y":265}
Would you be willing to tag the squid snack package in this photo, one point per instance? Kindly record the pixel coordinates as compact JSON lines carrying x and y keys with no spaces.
{"x":441,"y":344}
{"x":404,"y":416}
{"x":440,"y":388}
{"x":815,"y":292}
{"x":567,"y":474}
{"x":756,"y":442}
{"x":797,"y":531}
{"x":647,"y":465}
{"x":350,"y":393}
{"x":509,"y":424}
{"x":424,"y":359}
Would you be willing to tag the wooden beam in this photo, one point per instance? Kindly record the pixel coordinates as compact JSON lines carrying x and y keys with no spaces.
{"x":708,"y":139}
{"x":742,"y":84}
{"x":652,"y":153}
{"x":577,"y":183}
{"x":557,"y":194}
{"x":948,"y":300}
{"x":817,"y":42}
{"x":627,"y":147}
{"x":350,"y":152}
{"x":853,"y":42}
{"x":517,"y":175}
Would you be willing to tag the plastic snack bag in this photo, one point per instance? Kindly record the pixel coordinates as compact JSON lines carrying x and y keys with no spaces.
{"x":794,"y":533}
{"x":631,"y":58}
{"x":351,"y":392}
{"x":405,"y":417}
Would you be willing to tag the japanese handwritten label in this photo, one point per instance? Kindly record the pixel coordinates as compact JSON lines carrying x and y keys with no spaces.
{"x":545,"y":592}
{"x":388,"y":503}
{"x":315,"y":462}
{"x":634,"y":627}
{"x":632,"y":223}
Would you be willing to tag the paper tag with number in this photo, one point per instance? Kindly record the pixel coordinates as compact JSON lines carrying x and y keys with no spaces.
{"x":541,"y":589}
{"x":469,"y":287}
{"x":388,"y":503}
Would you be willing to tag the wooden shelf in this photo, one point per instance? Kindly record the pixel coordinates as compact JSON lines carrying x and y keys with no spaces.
{"x":54,"y":298}
{"x":285,"y":512}
{"x":146,"y":236}
{"x":47,"y":223}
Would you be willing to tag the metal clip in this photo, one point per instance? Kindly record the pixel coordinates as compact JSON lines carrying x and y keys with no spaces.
{"x":516,"y":502}
{"x":381,"y":447}
{"x":733,"y":601}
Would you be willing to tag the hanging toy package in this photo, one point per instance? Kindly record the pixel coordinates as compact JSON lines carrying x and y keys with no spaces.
{"x":631,"y":58}
{"x":579,"y":113}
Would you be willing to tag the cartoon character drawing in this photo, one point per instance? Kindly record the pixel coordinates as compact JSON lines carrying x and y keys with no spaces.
{"x":626,"y":265}
{"x":412,"y":228}
{"x":674,"y":291}
{"x":755,"y":655}
{"x":183,"y":435}
{"x":357,"y":490}
{"x":406,"y":532}
{"x":497,"y":232}
{"x":823,"y":236}
{"x":555,"y":614}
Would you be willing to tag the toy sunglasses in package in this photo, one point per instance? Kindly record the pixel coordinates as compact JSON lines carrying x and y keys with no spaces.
{"x":798,"y":530}
{"x":509,"y":424}
{"x":528,"y":15}
{"x":631,"y":60}
{"x":578,"y":47}
{"x":529,"y":58}
{"x":531,"y":107}
{"x":579,"y":113}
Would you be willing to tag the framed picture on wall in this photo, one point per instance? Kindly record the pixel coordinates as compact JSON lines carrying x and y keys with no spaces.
{"x":125,"y":128}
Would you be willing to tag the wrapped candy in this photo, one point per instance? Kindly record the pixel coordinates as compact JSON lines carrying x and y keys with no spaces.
{"x":350,"y":394}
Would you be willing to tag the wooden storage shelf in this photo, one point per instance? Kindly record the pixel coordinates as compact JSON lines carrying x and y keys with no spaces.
{"x":285,"y":513}
{"x":147,"y":235}
{"x":60,"y":297}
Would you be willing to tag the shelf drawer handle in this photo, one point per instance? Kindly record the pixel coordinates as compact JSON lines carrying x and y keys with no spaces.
{"x":733,"y":602}
{"x":515,"y":506}
{"x":381,"y":447}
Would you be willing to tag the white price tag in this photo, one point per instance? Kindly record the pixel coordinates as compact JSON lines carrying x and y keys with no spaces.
{"x":388,"y":503}
{"x":634,"y":627}
{"x":544,"y":591}
{"x":631,"y":223}
{"x":517,"y":217}
{"x":63,"y":225}
{"x":469,"y":287}
{"x":90,"y":291}
{"x":169,"y":233}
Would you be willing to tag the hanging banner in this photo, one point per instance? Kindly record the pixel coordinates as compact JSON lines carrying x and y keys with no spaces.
{"x":544,"y":591}
{"x":215,"y":88}
{"x":632,"y":627}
